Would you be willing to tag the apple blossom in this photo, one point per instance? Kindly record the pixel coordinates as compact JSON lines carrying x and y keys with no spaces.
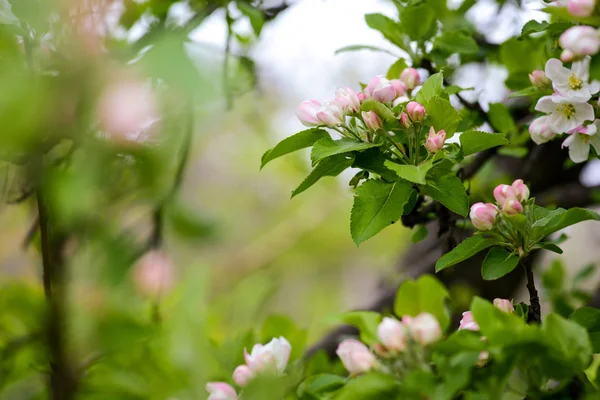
{"x":567,"y":55}
{"x":271,"y":356}
{"x":331,"y":113}
{"x":581,"y":8}
{"x":361,"y":96}
{"x":566,"y":113}
{"x":392,"y":334}
{"x":410,"y":78}
{"x":581,"y":40}
{"x":126,"y":109}
{"x":572,"y":83}
{"x":415,"y":111}
{"x":504,"y":305}
{"x":307,"y":112}
{"x":154,"y":274}
{"x":405,"y":121}
{"x":348,"y":99}
{"x":483,"y":216}
{"x":539,"y":79}
{"x":242,"y":375}
{"x":540,"y":130}
{"x":502,"y":193}
{"x":435,"y":141}
{"x":424,"y":328}
{"x":467,"y":322}
{"x":580,"y":140}
{"x":356,"y":357}
{"x":521,"y":190}
{"x":512,"y":207}
{"x":221,"y":391}
{"x":399,"y":87}
{"x":372,"y":120}
{"x":380,"y":89}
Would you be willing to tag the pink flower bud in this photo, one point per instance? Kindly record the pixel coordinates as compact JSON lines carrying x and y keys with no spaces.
{"x":424,"y":328}
{"x":380,"y":89}
{"x":539,"y":79}
{"x":399,"y":87}
{"x":483,"y":216}
{"x":392,"y":334}
{"x":415,"y":111}
{"x":484,"y":357}
{"x":567,"y":56}
{"x":243,"y":375}
{"x":435,"y":141}
{"x":521,"y":190}
{"x":272,"y":356}
{"x":372,"y":120}
{"x":410,"y":78}
{"x":355,"y":356}
{"x":361,"y":96}
{"x":405,"y":121}
{"x":503,"y":193}
{"x":331,"y":114}
{"x":580,"y":40}
{"x":307,"y":112}
{"x":126,"y":111}
{"x":154,"y":274}
{"x":504,"y":305}
{"x":467,"y":322}
{"x":221,"y":391}
{"x":348,"y":99}
{"x":581,"y":8}
{"x":512,"y":207}
{"x":541,"y":131}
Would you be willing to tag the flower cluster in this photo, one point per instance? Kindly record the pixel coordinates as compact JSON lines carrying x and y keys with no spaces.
{"x":269,"y":358}
{"x":395,"y":337}
{"x":568,"y":108}
{"x":509,"y":200}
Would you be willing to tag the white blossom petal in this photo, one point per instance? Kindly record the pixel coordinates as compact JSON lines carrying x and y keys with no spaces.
{"x":555,"y":70}
{"x":546,"y":104}
{"x":579,"y":150}
{"x":582,"y":68}
{"x":583,"y":112}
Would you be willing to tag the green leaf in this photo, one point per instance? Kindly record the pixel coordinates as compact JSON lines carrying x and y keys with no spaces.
{"x":365,"y":321}
{"x":327,"y":147}
{"x":293,"y":143}
{"x":385,"y":113}
{"x":389,"y":28}
{"x":396,"y":69}
{"x":569,"y":341}
{"x":417,"y":20}
{"x":501,"y":328}
{"x":187,"y":222}
{"x":501,"y":119}
{"x":589,"y":318}
{"x":442,"y":115}
{"x":453,"y":89}
{"x":475,"y":141}
{"x":561,"y":218}
{"x":595,"y":67}
{"x":358,"y":47}
{"x":498,"y":263}
{"x":426,"y":294}
{"x":563,"y":14}
{"x":412,"y":173}
{"x":319,"y":384}
{"x":550,"y":247}
{"x":533,"y":26}
{"x":331,"y":166}
{"x":466,"y":249}
{"x":372,"y":386}
{"x":432,"y":87}
{"x":419,"y":234}
{"x":445,"y":187}
{"x":373,"y":160}
{"x":377,"y":204}
{"x":522,"y":56}
{"x":257,"y":18}
{"x":455,"y":42}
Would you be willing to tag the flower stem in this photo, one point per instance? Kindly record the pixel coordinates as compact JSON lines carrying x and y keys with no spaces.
{"x":535,"y":310}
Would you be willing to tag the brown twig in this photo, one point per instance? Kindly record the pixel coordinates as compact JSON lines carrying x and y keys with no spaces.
{"x":535,"y":309}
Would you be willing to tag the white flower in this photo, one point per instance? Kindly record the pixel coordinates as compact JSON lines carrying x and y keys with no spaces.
{"x":567,"y":114}
{"x":273,"y":355}
{"x":580,"y":140}
{"x":572,"y":83}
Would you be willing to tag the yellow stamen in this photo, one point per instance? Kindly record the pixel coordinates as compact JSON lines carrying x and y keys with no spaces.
{"x":568,"y":110}
{"x":574,"y":82}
